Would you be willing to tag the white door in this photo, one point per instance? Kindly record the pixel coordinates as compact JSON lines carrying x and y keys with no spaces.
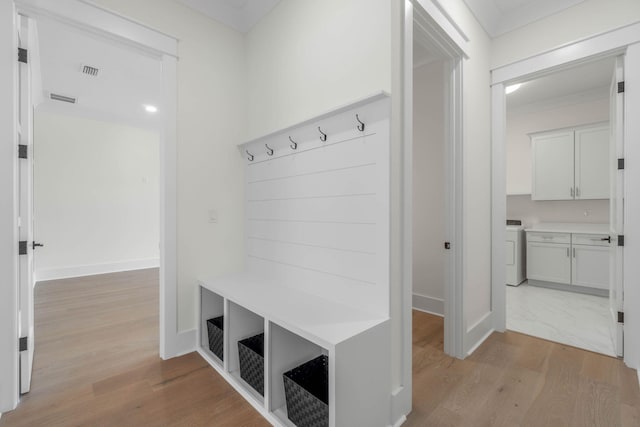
{"x":616,"y":220}
{"x":25,"y":214}
{"x":590,"y":266}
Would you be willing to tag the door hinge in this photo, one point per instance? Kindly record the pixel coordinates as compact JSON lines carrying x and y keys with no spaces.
{"x":620,"y":164}
{"x":23,"y":343}
{"x":447,"y":245}
{"x":620,"y":317}
{"x":621,"y":240}
{"x":22,"y":55}
{"x":620,"y":87}
{"x":22,"y":247}
{"x":22,"y":151}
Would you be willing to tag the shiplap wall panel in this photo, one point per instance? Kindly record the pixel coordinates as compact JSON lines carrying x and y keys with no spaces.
{"x":351,"y":209}
{"x":352,"y":265}
{"x":317,"y":217}
{"x":355,"y":180}
{"x":351,"y":237}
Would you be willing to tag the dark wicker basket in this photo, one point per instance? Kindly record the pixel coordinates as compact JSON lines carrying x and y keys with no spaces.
{"x":215,"y":327}
{"x":306,"y":390}
{"x":251,"y":353}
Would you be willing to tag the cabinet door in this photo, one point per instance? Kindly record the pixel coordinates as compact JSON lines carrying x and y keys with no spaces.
{"x":552,"y":166}
{"x":550,"y":262}
{"x":592,"y":163}
{"x":590,"y":266}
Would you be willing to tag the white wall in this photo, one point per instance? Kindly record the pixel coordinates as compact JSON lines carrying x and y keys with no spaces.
{"x":580,"y":21}
{"x":523,"y":121}
{"x":211,"y":121}
{"x":429,"y":225}
{"x":307,"y":56}
{"x":96,"y":193}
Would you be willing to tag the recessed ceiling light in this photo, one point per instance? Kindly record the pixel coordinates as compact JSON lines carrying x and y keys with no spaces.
{"x":512,"y":88}
{"x":151,"y":108}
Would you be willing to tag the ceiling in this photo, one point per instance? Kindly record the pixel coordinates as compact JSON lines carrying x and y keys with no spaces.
{"x":241,"y":15}
{"x":585,"y":82}
{"x":126,"y":81}
{"x":501,"y":16}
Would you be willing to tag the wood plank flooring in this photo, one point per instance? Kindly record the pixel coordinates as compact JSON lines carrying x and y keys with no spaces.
{"x":517,"y":380}
{"x":97,"y":364}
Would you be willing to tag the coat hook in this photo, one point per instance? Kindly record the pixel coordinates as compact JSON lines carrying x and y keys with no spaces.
{"x":293,"y":145}
{"x":323,"y":136}
{"x":361,"y":125}
{"x":269,"y":150}
{"x":250,"y":155}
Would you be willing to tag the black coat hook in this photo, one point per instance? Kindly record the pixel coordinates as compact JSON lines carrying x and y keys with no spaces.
{"x":361,"y":125}
{"x":293,"y":145}
{"x":269,"y":150}
{"x":323,"y":136}
{"x":250,"y":156}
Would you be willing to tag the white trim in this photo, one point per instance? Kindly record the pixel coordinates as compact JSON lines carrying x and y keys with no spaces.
{"x":84,"y":14}
{"x":498,"y":206}
{"x":445,"y":24}
{"x":9,"y":365}
{"x":92,"y":269}
{"x":604,"y":44}
{"x":428,"y":304}
{"x":402,"y":420}
{"x":609,"y":43}
{"x":478,"y":333}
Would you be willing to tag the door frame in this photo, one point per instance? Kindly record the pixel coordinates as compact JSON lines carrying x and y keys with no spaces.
{"x":624,"y":40}
{"x":100,"y":21}
{"x":438,"y":27}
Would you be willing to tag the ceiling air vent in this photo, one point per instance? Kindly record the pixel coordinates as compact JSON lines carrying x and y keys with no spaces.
{"x":92,"y":71}
{"x":62,"y":98}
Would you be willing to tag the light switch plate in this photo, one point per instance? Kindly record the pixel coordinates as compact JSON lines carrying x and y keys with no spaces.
{"x":213,"y":216}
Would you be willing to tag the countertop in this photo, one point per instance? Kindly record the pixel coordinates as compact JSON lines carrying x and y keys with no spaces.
{"x":568,"y":227}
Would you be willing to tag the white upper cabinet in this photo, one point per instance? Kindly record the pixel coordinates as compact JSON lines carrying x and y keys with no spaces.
{"x":552,"y":166}
{"x":591,"y":163}
{"x":571,"y":164}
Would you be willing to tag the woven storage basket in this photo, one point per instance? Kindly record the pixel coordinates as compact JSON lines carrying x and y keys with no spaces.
{"x":306,"y":390}
{"x":215,"y":327}
{"x":251,"y":353}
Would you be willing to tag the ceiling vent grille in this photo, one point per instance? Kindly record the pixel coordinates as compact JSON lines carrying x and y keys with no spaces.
{"x":89,"y":70}
{"x":62,"y":98}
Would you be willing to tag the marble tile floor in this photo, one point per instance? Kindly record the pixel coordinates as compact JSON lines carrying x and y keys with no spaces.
{"x":570,"y":318}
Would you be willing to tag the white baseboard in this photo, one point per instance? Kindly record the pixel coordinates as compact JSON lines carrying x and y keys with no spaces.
{"x":428,"y":304}
{"x":477,"y":333}
{"x":400,"y":405}
{"x":181,"y":344}
{"x":89,"y":270}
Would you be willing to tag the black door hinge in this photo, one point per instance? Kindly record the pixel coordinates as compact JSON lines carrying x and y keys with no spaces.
{"x":447,"y":245}
{"x":23,"y":344}
{"x":22,"y":55}
{"x":620,"y":87}
{"x":620,"y":317}
{"x":22,"y":151}
{"x":22,"y":247}
{"x":620,"y":164}
{"x":621,"y":240}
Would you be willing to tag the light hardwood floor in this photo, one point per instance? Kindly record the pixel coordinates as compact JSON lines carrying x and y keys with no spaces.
{"x":97,"y":364}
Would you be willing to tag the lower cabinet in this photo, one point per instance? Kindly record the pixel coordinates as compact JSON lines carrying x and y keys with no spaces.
{"x":549,"y":262}
{"x":572,"y":259}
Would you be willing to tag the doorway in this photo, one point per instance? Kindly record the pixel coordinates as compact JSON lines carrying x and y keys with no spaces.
{"x":618,"y":42}
{"x":164,"y":48}
{"x":558,"y":206}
